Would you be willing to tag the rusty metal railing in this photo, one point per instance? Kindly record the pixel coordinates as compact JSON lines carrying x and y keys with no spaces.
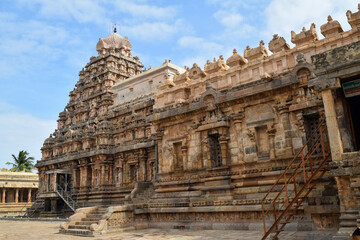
{"x":296,"y":182}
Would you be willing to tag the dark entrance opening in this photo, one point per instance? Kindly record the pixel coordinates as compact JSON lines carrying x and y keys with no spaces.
{"x":354,"y":111}
{"x":215,"y":150}
{"x":351,"y":90}
{"x":64,"y":182}
{"x":47,"y":207}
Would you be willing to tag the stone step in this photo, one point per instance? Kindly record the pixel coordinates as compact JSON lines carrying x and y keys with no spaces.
{"x":87,"y":219}
{"x":98,"y":212}
{"x":88,"y":223}
{"x":86,"y":227}
{"x":93,"y":215}
{"x":77,"y":232}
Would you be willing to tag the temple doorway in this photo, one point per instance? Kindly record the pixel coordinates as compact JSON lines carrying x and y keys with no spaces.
{"x":354,"y":112}
{"x":351,"y":90}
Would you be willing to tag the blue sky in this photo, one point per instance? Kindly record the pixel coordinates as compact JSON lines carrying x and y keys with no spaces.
{"x":44,"y":44}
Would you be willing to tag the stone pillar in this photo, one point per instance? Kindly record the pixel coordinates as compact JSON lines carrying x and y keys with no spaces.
{"x":83,"y":176}
{"x":66,"y":182}
{"x":223,"y":141}
{"x":184,"y":151}
{"x":205,"y":150}
{"x":74,"y":176}
{"x":348,"y":205}
{"x":93,"y":175}
{"x":238,"y":118}
{"x":159,"y":159}
{"x":332,"y":125}
{"x":3,"y":195}
{"x":271,"y":134}
{"x":123,"y":172}
{"x":348,"y":209}
{"x":142,"y":168}
{"x":98,"y":176}
{"x":198,"y":149}
{"x":285,"y":122}
{"x":54,"y":186}
{"x":102,"y":181}
{"x":29,"y":195}
{"x":47,"y":182}
{"x":107,"y":174}
{"x":120,"y":175}
{"x":16,"y":195}
{"x":111,"y":174}
{"x":41,"y":179}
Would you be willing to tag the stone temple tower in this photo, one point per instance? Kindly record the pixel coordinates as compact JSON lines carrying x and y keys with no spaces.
{"x":83,"y":126}
{"x":90,"y":99}
{"x":92,"y":95}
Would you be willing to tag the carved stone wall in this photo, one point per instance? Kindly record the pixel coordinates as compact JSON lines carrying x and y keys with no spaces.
{"x":211,"y":141}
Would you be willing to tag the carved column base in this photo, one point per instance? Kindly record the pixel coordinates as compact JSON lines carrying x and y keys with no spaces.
{"x":347,"y":225}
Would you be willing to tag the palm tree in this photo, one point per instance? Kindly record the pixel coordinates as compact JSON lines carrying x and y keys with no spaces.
{"x":22,"y":162}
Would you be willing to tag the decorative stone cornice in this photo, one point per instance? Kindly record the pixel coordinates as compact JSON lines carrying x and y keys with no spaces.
{"x":235,"y":60}
{"x":331,"y":28}
{"x":354,"y":18}
{"x":196,"y":72}
{"x":305,"y":36}
{"x":278,"y":44}
{"x":257,"y":53}
{"x":321,"y":84}
{"x":217,"y":65}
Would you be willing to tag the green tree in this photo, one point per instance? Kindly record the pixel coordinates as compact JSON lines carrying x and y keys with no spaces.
{"x":22,"y":162}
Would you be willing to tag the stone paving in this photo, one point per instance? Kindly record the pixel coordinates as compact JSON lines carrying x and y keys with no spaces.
{"x":30,"y":230}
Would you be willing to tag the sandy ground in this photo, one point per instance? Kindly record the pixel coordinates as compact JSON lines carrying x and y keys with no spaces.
{"x":36,"y":230}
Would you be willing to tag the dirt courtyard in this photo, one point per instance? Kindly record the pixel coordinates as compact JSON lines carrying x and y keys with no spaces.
{"x":40,"y":230}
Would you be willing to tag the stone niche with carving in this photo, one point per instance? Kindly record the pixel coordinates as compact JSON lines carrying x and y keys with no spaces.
{"x":260,"y":121}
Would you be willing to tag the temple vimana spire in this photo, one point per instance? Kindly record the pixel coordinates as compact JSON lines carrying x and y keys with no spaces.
{"x":265,"y":140}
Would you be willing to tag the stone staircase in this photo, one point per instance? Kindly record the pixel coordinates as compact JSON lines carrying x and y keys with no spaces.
{"x":35,"y":209}
{"x":82,"y":227}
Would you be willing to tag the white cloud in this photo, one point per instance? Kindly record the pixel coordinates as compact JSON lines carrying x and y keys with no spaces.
{"x":282,"y":16}
{"x":82,"y":11}
{"x":26,"y":44}
{"x":199,"y":44}
{"x":201,"y":49}
{"x":229,"y":19}
{"x":143,"y":10}
{"x":226,"y":3}
{"x":234,"y":35}
{"x":149,"y":31}
{"x":19,"y":131}
{"x":233,"y":15}
{"x":101,"y":12}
